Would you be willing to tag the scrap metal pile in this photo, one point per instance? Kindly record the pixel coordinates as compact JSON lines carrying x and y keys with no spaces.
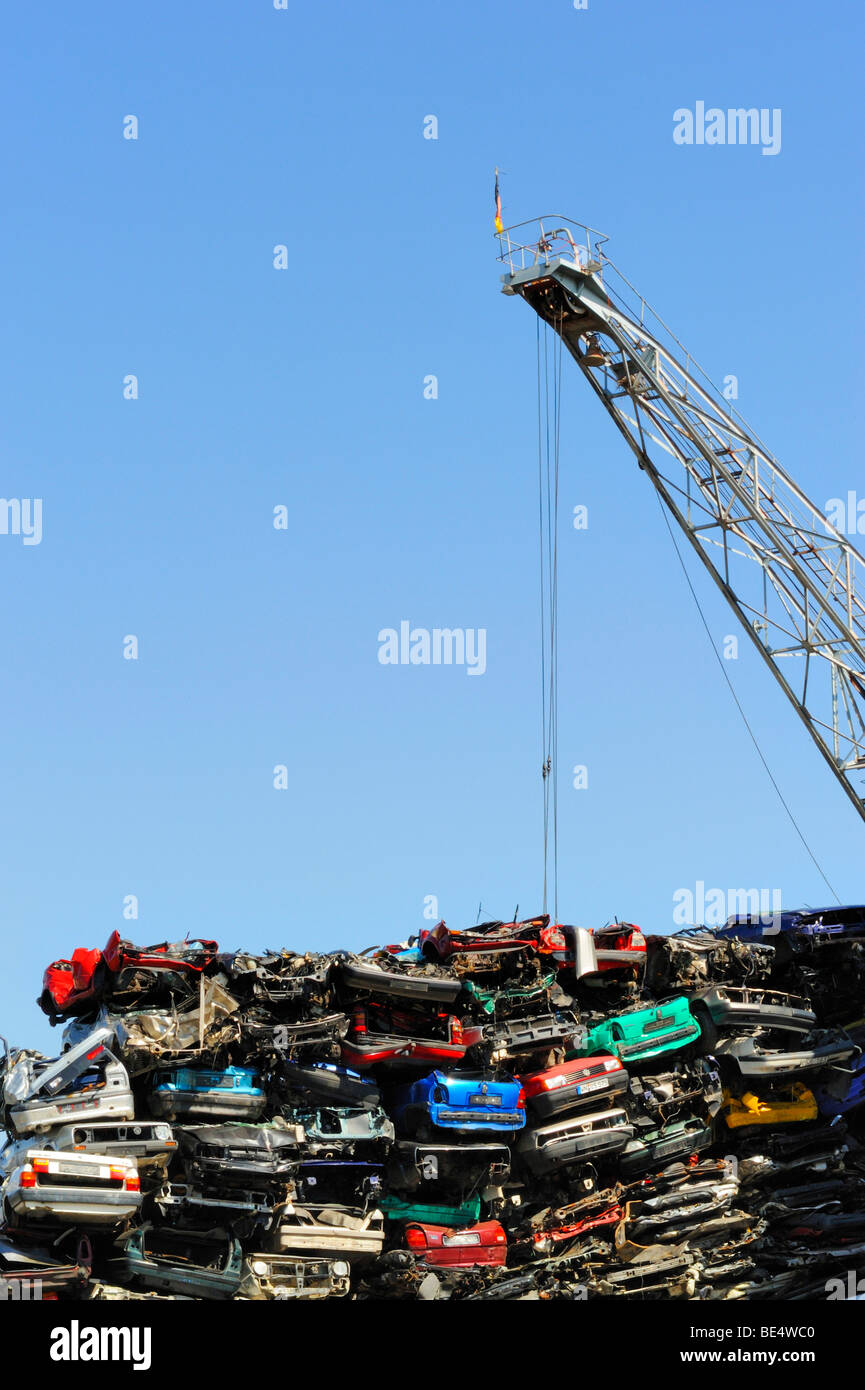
{"x":521,"y":1110}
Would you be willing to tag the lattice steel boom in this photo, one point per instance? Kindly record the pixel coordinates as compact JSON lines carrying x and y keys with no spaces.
{"x":795,"y":582}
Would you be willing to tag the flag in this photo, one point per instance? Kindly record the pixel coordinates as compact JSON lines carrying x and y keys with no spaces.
{"x":499,"y":224}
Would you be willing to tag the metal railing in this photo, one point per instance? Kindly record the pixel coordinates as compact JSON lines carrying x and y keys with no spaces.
{"x":556,"y":236}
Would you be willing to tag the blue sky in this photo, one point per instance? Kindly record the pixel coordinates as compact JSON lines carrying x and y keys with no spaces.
{"x":304,"y":387}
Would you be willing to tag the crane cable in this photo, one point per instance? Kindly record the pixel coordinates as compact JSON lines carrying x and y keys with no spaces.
{"x":549,"y":365}
{"x":745,"y":719}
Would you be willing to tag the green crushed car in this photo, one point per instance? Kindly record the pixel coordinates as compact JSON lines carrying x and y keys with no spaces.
{"x":643,"y":1034}
{"x":466,"y":1214}
{"x":506,"y":997}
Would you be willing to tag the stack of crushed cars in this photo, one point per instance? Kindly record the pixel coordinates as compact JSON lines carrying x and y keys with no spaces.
{"x":523,"y":1110}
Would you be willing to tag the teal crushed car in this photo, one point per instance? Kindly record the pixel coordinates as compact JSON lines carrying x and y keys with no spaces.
{"x":506,"y":997}
{"x":466,"y":1214}
{"x":643,"y":1034}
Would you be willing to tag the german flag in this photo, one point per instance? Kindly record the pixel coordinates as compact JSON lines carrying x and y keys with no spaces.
{"x":499,"y":224}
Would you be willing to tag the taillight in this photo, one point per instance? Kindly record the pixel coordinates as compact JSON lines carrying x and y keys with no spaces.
{"x":456,"y":1031}
{"x":358,"y":1020}
{"x":28,"y":1178}
{"x":521,"y":1100}
{"x":638,"y":941}
{"x":132,"y":1183}
{"x":415,"y":1238}
{"x":40,"y":1165}
{"x":553,"y":938}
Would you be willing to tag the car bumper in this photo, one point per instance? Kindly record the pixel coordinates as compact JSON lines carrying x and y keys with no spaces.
{"x":574,"y":1097}
{"x":556,"y":1146}
{"x":465,"y":1258}
{"x":642,"y":1154}
{"x":191,"y":1105}
{"x":368,"y":978}
{"x":289,"y":1278}
{"x":334,"y":1241}
{"x":470,"y":1121}
{"x":191,"y":1283}
{"x":33,"y":1117}
{"x":769,"y":1064}
{"x":60,"y":1204}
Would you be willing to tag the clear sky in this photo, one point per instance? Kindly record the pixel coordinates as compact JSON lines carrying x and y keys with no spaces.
{"x":304,"y":388}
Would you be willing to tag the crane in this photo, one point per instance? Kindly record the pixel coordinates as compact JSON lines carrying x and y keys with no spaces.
{"x":795,"y":582}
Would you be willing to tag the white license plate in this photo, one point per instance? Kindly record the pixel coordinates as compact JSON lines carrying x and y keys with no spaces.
{"x":81,"y":1170}
{"x":587,"y":1087}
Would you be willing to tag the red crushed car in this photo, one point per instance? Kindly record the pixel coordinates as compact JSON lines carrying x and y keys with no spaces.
{"x":152,"y":974}
{"x":68,"y":985}
{"x":440,"y":942}
{"x":74,"y":986}
{"x":569,"y":1224}
{"x":620,"y":946}
{"x":378,"y":1033}
{"x":483,"y":1244}
{"x":573,"y":1084}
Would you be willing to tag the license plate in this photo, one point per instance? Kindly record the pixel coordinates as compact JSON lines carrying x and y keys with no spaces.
{"x":82,"y":1170}
{"x":670,"y":1145}
{"x":586,"y":1087}
{"x":485,"y":1100}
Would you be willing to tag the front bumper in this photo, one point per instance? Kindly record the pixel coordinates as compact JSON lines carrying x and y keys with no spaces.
{"x":281,"y":1277}
{"x":576,"y":1094}
{"x":754,"y":1061}
{"x":573,"y":1141}
{"x":734,"y":1008}
{"x":665,"y":1146}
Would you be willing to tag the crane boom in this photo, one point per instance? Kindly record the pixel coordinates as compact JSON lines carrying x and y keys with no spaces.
{"x":796,"y":583}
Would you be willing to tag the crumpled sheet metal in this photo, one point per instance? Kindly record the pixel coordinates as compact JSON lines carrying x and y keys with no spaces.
{"x":151,"y":1038}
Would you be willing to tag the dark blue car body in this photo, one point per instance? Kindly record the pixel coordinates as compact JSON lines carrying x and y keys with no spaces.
{"x":810,"y":924}
{"x":839,"y":1090}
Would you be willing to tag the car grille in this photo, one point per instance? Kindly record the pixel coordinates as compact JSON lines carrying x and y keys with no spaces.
{"x":630,"y":1049}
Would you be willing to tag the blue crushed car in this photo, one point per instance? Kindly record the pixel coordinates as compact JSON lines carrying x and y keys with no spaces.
{"x":817,"y":925}
{"x":843,"y":1088}
{"x":468,"y":1102}
{"x":191,"y":1093}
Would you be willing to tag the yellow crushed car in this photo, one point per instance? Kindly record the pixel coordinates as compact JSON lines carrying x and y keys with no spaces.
{"x":794,"y":1103}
